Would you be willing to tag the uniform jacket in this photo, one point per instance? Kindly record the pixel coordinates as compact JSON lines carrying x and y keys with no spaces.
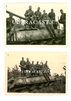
{"x":29,"y":13}
{"x":52,"y":15}
{"x":62,"y":18}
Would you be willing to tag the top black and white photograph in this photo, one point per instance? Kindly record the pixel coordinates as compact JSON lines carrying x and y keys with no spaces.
{"x":36,"y":24}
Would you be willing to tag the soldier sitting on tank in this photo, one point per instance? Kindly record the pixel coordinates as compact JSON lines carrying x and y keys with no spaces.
{"x":62,"y":20}
{"x":47,"y":70}
{"x":38,"y":14}
{"x":10,"y":22}
{"x":38,"y":17}
{"x":23,"y":66}
{"x":37,"y":68}
{"x":29,"y":16}
{"x":52,"y":15}
{"x":44,"y":15}
{"x":32,"y":69}
{"x":41,"y":68}
{"x":28,"y":66}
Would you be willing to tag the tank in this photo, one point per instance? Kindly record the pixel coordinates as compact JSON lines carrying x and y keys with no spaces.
{"x":41,"y":35}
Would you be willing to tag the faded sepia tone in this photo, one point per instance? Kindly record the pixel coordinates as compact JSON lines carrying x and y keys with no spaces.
{"x":45,"y":35}
{"x":54,"y":81}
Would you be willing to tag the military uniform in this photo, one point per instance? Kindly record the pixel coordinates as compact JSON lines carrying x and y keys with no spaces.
{"x":63,"y":21}
{"x":32,"y":69}
{"x":28,"y":15}
{"x":37,"y":68}
{"x":22,"y":65}
{"x":46,"y":67}
{"x":10,"y":22}
{"x":46,"y":73}
{"x":51,"y":15}
{"x":10,"y":27}
{"x":28,"y":65}
{"x":44,"y":16}
{"x":38,"y":15}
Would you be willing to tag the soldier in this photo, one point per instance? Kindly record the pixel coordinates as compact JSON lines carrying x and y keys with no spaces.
{"x":52,"y":15}
{"x":23,"y":66}
{"x":63,"y":19}
{"x":37,"y":67}
{"x":46,"y":72}
{"x":46,"y":68}
{"x":10,"y":22}
{"x":41,"y":68}
{"x":28,"y":65}
{"x":28,"y":15}
{"x":45,"y":18}
{"x":38,"y":17}
{"x":38,"y":14}
{"x":44,"y":15}
{"x":32,"y":69}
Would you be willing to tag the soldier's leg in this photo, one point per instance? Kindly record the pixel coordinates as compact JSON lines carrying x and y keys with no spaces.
{"x":49,"y":29}
{"x":52,"y":28}
{"x":15,"y":34}
{"x":24,"y":72}
{"x":64,"y":28}
{"x":21,"y":72}
{"x":12,"y":37}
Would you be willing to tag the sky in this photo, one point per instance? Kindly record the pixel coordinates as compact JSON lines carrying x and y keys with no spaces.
{"x":20,"y":8}
{"x":55,"y":60}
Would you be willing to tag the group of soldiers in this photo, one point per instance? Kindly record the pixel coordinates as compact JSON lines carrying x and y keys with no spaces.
{"x":30,"y":15}
{"x":32,"y":19}
{"x":33,"y":69}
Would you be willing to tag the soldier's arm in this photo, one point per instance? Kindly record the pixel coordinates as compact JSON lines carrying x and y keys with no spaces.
{"x":20,"y":62}
{"x":35,"y":13}
{"x":61,"y":20}
{"x":26,"y":14}
{"x":6,"y":22}
{"x":40,"y":16}
{"x":54,"y":16}
{"x":49,"y":15}
{"x":64,"y":17}
{"x":13,"y":21}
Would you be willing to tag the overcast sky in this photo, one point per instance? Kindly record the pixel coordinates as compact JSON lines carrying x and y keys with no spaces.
{"x":20,"y":8}
{"x":55,"y":60}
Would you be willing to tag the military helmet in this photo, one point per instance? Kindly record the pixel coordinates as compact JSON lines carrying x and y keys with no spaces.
{"x":22,"y":57}
{"x":52,"y":10}
{"x":10,"y":14}
{"x":61,"y":9}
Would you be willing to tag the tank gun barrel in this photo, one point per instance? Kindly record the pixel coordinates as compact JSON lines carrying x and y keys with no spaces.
{"x":15,"y":15}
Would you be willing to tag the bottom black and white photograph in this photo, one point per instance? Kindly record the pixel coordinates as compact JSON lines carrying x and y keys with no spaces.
{"x":36,"y":72}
